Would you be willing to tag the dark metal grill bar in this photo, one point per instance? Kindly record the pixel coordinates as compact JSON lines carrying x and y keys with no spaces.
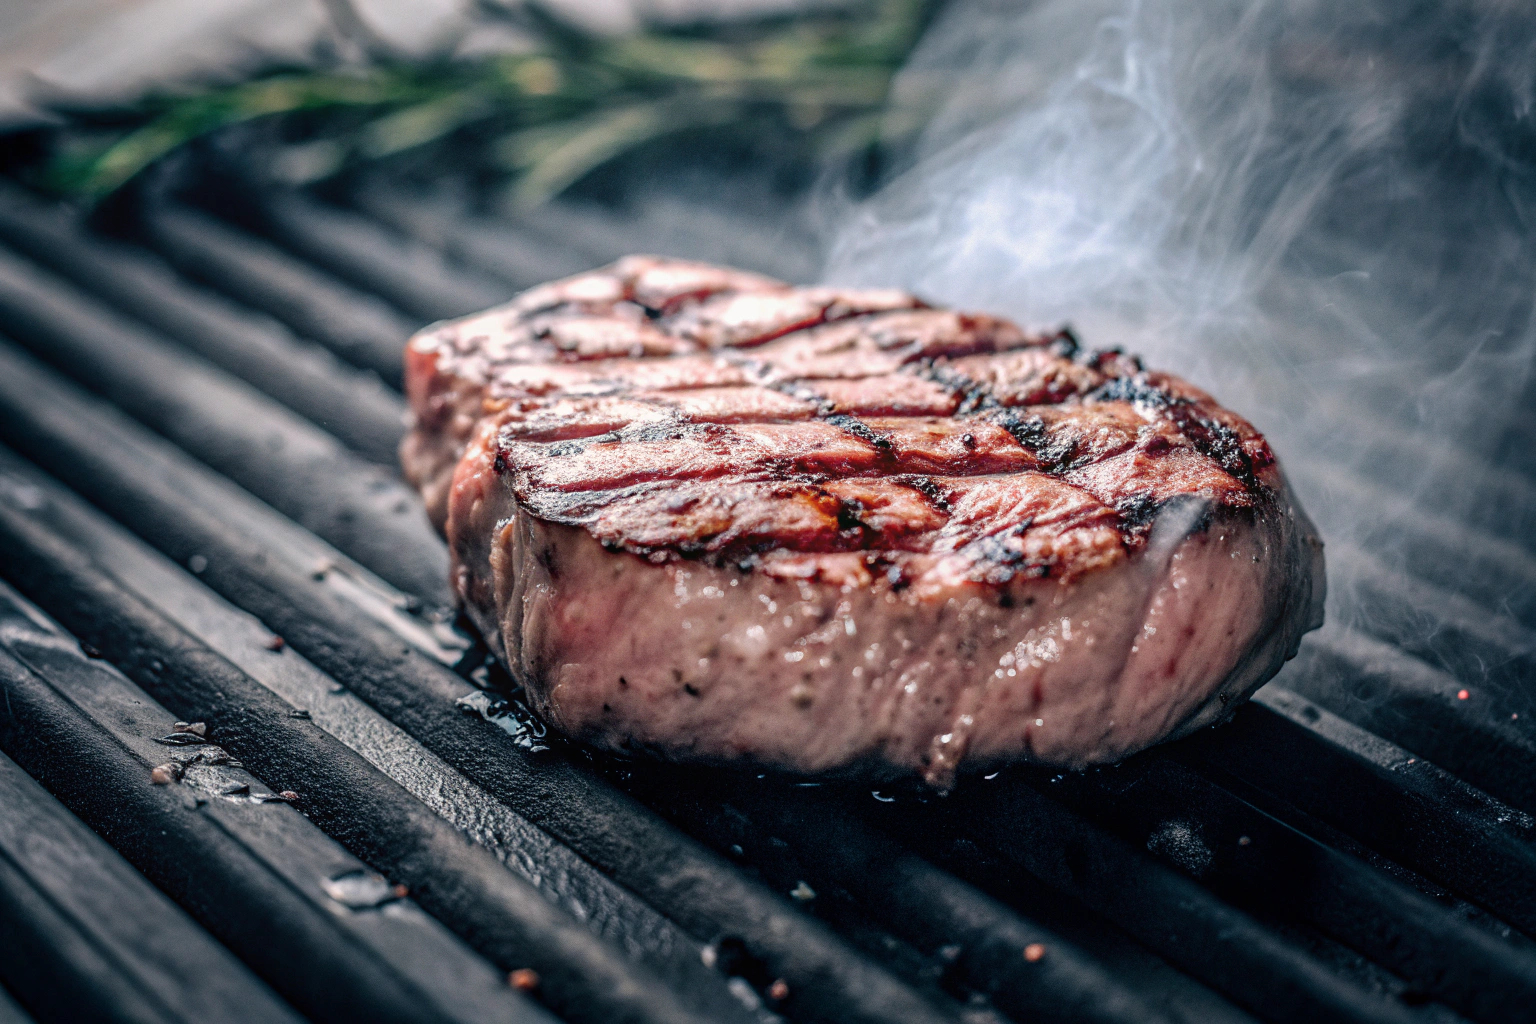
{"x":1495,"y":457}
{"x":359,"y":328}
{"x":1498,"y":572}
{"x":195,"y":853}
{"x":809,"y":838}
{"x":232,"y":427}
{"x":509,"y":253}
{"x":1379,"y":450}
{"x":457,"y":881}
{"x":713,"y":227}
{"x":348,"y":403}
{"x":10,"y":1012}
{"x":415,"y":277}
{"x":613,"y":913}
{"x":1436,"y":547}
{"x":1014,"y":828}
{"x":1514,"y":448}
{"x":1355,"y":675}
{"x":1513,"y":524}
{"x":85,"y":936}
{"x":1470,"y":643}
{"x":1402,"y":806}
{"x":101,"y":459}
{"x":1282,"y":872}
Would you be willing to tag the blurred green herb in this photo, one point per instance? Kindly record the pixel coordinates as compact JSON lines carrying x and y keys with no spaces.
{"x":813,"y":87}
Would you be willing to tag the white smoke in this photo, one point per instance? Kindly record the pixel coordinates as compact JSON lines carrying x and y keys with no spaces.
{"x":1320,"y":212}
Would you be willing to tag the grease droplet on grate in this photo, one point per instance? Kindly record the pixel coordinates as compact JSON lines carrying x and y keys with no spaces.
{"x":359,"y":889}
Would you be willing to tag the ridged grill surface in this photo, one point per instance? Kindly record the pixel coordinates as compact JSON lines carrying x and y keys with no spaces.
{"x":201,"y":523}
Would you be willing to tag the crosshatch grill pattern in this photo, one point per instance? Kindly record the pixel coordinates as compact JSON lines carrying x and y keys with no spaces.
{"x":201,"y":523}
{"x":654,"y":380}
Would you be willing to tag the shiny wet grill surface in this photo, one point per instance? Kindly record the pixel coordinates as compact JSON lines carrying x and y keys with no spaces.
{"x":200,"y":523}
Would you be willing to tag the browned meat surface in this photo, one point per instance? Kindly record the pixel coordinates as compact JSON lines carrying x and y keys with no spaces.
{"x":708,"y":515}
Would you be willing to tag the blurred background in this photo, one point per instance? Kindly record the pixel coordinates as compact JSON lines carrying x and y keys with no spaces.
{"x":505,"y":105}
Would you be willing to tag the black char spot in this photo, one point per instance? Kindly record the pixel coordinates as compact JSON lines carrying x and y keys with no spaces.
{"x":860,"y":430}
{"x":1066,"y":343}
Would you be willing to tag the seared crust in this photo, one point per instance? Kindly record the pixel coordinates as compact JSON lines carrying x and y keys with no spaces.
{"x":688,"y":422}
{"x":677,"y":410}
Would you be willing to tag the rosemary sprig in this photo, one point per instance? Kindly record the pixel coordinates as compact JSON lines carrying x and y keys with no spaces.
{"x":812,"y":87}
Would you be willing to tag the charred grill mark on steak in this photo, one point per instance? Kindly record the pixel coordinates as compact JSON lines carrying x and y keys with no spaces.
{"x":1054,"y":451}
{"x":1210,"y":437}
{"x":1066,"y":343}
{"x":1138,"y":510}
{"x":848,"y":519}
{"x":860,"y":430}
{"x":686,"y":409}
{"x":799,"y":390}
{"x":1136,"y":390}
{"x":1214,"y":440}
{"x":972,"y":395}
{"x":1000,"y":558}
{"x":930,"y":490}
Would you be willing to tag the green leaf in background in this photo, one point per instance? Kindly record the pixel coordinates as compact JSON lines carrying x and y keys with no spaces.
{"x":816,"y":86}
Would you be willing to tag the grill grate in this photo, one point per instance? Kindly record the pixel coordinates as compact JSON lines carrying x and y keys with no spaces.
{"x":198,"y":461}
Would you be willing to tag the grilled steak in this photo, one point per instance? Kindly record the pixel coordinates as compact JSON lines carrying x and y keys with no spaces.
{"x":704,"y":514}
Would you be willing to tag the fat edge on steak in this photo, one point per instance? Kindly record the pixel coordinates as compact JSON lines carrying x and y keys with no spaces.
{"x":702,"y":514}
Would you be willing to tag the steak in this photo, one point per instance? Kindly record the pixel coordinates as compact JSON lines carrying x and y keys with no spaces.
{"x":703,"y":514}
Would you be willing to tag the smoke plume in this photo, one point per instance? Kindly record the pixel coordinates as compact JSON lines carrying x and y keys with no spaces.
{"x":1320,"y":212}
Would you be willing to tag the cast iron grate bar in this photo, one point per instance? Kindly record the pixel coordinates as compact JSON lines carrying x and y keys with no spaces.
{"x":1436,"y":547}
{"x":349,"y":403}
{"x":363,"y":330}
{"x":1467,"y":641}
{"x":230,"y":426}
{"x":510,"y":253}
{"x":87,"y":937}
{"x":1354,"y":674}
{"x":1402,"y":806}
{"x":369,"y":256}
{"x":291,"y":942}
{"x":1014,"y":829}
{"x":11,"y":1012}
{"x":1196,"y":826}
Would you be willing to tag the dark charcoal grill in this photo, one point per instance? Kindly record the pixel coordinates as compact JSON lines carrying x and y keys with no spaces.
{"x":200,"y":523}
